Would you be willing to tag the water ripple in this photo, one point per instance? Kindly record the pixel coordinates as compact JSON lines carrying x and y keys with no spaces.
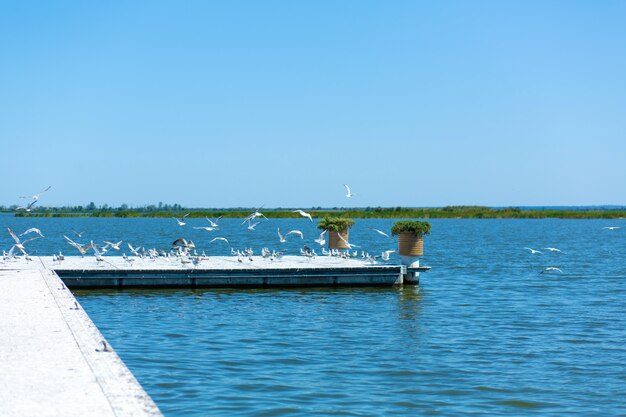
{"x":485,"y":334}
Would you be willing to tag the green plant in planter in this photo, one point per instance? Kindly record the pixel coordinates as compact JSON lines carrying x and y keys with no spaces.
{"x":416,"y":227}
{"x":335,"y":224}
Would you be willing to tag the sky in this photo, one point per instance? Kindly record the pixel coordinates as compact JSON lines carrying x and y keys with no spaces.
{"x":280,"y":103}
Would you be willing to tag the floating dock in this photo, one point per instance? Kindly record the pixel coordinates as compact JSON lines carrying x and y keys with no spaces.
{"x":221,"y":271}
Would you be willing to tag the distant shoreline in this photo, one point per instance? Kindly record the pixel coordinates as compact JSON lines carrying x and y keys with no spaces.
{"x":450,"y":212}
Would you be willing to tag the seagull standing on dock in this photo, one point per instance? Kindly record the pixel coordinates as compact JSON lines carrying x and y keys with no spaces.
{"x":181,"y":221}
{"x":303,"y":214}
{"x":385,"y":255}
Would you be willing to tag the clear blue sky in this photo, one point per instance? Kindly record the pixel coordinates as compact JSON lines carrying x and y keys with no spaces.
{"x":236,"y":103}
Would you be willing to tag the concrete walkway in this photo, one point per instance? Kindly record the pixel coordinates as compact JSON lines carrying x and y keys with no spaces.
{"x":53,"y":361}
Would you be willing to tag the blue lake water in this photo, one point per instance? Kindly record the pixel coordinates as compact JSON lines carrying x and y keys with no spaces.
{"x":485,"y":333}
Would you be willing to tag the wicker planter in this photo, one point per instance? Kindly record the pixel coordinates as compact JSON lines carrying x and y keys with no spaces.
{"x":335,"y":242}
{"x":410,"y":244}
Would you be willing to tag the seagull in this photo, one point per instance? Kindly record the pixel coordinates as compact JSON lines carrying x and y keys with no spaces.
{"x":181,"y":221}
{"x":28,"y":207}
{"x":254,"y":215}
{"x":385,"y":255}
{"x":281,"y":237}
{"x":553,"y":250}
{"x":533,"y":250}
{"x":303,"y":214}
{"x":219,"y":238}
{"x":19,"y":244}
{"x":32,"y":230}
{"x":115,"y":246}
{"x":348,"y":191}
{"x":81,"y":248}
{"x":295,"y":232}
{"x":133,"y":250}
{"x":251,"y":225}
{"x":380,"y":232}
{"x":213,"y":223}
{"x":349,"y":245}
{"x":96,"y":252}
{"x":77,"y":233}
{"x":321,"y":239}
{"x":36,"y":196}
{"x":612,"y":227}
{"x":551,"y":268}
{"x":207,"y":228}
{"x":182,"y":245}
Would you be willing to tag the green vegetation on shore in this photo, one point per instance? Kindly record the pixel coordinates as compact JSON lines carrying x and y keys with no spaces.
{"x":465,"y":212}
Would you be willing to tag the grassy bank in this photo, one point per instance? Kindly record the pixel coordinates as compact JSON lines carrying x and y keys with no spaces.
{"x":451,"y":212}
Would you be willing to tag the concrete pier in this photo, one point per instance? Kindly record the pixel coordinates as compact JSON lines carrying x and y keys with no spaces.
{"x":53,"y":361}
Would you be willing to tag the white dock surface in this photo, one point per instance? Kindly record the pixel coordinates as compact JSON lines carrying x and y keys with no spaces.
{"x":52,"y":361}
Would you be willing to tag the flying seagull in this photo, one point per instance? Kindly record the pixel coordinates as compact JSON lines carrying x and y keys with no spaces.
{"x":281,"y":238}
{"x":207,"y":228}
{"x":533,"y":250}
{"x":134,"y":251}
{"x":551,"y":268}
{"x":303,"y":214}
{"x":295,"y":232}
{"x":349,"y":193}
{"x":251,"y":225}
{"x":219,"y":238}
{"x":612,"y":227}
{"x":380,"y":232}
{"x":35,"y":197}
{"x":553,"y":250}
{"x":349,"y":245}
{"x":32,"y":230}
{"x":115,"y":246}
{"x":19,"y":244}
{"x":81,"y":248}
{"x":213,"y":223}
{"x":321,"y":239}
{"x":181,"y":221}
{"x":77,"y":233}
{"x":254,"y":215}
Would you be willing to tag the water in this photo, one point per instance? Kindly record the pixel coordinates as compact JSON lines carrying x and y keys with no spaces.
{"x":485,"y":334}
